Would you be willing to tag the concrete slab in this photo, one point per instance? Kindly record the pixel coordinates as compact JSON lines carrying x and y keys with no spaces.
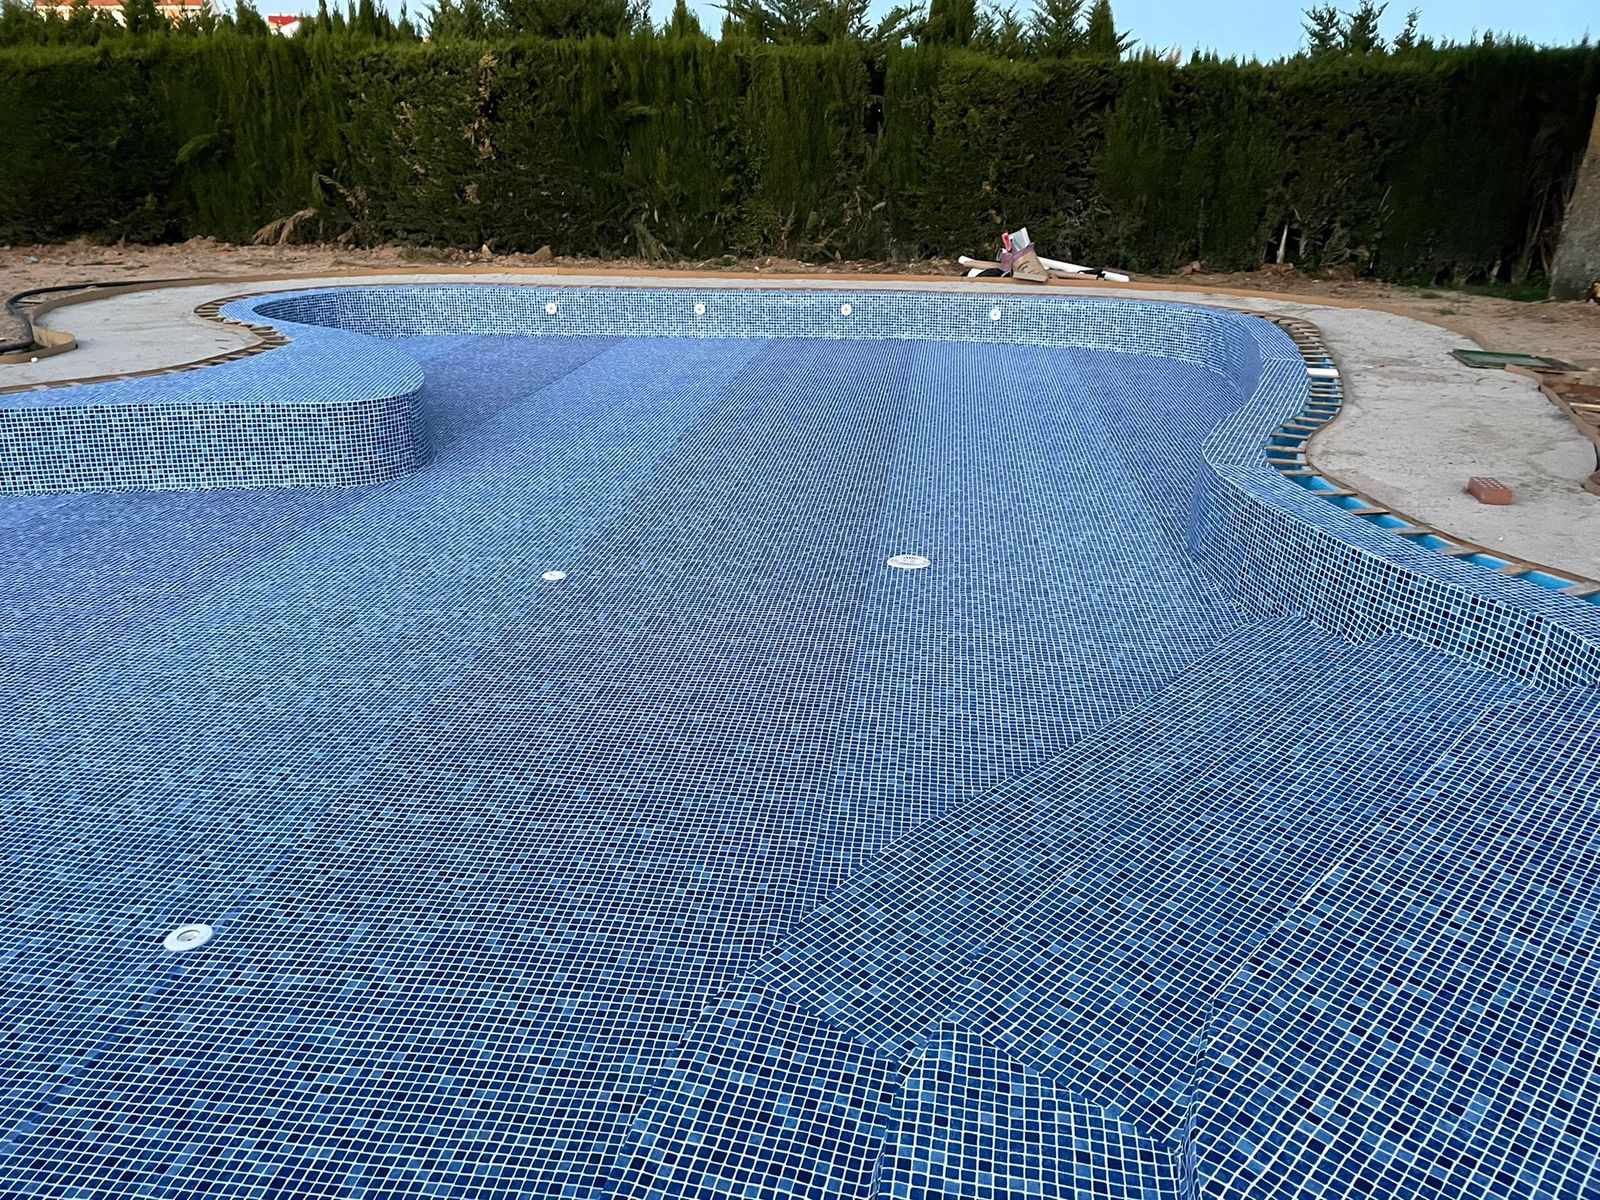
{"x":141,"y":331}
{"x":1417,"y":424}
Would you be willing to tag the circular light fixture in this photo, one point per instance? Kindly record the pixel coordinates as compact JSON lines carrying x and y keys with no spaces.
{"x":699,"y":310}
{"x":994,"y":313}
{"x":553,"y":576}
{"x":908,"y":562}
{"x":845,"y":310}
{"x":550,"y":309}
{"x":187,"y":937}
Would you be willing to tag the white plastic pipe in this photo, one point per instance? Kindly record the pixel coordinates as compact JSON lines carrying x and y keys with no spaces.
{"x":1049,"y":264}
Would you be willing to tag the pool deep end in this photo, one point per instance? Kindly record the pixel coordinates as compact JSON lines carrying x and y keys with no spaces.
{"x":736,"y":862}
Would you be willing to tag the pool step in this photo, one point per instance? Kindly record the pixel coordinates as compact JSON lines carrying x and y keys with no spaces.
{"x":1424,"y":1020}
{"x":969,"y":1109}
{"x":1080,"y":919}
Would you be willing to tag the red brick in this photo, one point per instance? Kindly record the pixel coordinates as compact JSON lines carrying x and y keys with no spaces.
{"x":1488,"y":490}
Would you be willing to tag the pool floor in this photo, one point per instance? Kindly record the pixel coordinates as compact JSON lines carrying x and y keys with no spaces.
{"x":736,"y":862}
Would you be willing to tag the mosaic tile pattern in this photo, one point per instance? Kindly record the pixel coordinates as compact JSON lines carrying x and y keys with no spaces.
{"x":1424,"y":1022}
{"x":337,"y":411}
{"x":482,"y":851}
{"x":737,"y":863}
{"x":1085,"y":917}
{"x":1282,"y":548}
{"x":974,"y":1124}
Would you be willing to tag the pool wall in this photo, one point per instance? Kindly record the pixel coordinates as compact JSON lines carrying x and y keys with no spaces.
{"x":336,"y":407}
{"x":335,"y":411}
{"x":1281,"y":549}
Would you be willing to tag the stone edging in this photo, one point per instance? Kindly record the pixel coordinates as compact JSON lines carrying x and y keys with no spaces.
{"x":1288,"y":449}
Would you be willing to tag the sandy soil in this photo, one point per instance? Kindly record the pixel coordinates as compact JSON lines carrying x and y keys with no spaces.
{"x":1566,"y":331}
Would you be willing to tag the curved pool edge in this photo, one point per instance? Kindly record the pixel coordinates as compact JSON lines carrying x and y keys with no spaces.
{"x":1276,"y":547}
{"x":1280,"y":549}
{"x":238,"y":420}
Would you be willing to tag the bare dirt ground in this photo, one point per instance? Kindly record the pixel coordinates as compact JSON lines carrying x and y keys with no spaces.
{"x":1566,"y":331}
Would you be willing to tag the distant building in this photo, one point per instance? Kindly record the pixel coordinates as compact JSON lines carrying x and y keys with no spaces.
{"x":284,"y":25}
{"x":173,"y":10}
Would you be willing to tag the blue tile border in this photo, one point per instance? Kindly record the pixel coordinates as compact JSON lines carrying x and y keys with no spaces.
{"x":334,"y":407}
{"x":1288,"y":449}
{"x":1281,"y":548}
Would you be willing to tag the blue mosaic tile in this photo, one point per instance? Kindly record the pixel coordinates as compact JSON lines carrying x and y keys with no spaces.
{"x":337,"y":407}
{"x":1171,"y":834}
{"x":1424,"y":1021}
{"x":975,"y":1124}
{"x":336,"y":411}
{"x":1085,"y":918}
{"x":805,"y":1112}
{"x":1264,"y":370}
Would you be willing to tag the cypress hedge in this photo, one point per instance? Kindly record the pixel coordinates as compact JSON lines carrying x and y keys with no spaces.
{"x":1445,"y":164}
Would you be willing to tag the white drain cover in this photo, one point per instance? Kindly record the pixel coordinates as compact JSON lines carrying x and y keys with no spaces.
{"x":187,"y":937}
{"x":553,"y":576}
{"x":908,"y":562}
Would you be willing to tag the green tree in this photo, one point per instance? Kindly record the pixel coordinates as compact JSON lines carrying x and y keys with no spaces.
{"x":1101,"y":37}
{"x":1324,"y":26}
{"x":248,"y":22}
{"x":683,"y":23}
{"x":468,"y":21}
{"x":574,"y":18}
{"x":1057,"y":28}
{"x":951,"y":22}
{"x":1408,"y":38}
{"x":1328,"y":31}
{"x":822,"y":22}
{"x":17,"y":24}
{"x":141,"y":16}
{"x":1361,"y":34}
{"x":84,"y":26}
{"x":311,"y":26}
{"x":369,"y":21}
{"x":1001,"y":32}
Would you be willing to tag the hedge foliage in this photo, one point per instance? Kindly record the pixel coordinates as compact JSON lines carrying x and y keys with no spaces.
{"x":1445,"y":164}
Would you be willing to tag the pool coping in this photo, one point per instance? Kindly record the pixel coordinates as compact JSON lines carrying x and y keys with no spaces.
{"x":1289,"y":448}
{"x":629,"y":277}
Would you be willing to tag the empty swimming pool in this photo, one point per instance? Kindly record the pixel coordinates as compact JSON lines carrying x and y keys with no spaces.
{"x":585,"y":806}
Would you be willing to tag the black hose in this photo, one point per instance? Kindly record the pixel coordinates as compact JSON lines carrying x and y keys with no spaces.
{"x":14,"y":306}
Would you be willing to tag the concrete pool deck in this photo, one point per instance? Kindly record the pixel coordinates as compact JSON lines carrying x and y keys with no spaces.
{"x":1416,"y":423}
